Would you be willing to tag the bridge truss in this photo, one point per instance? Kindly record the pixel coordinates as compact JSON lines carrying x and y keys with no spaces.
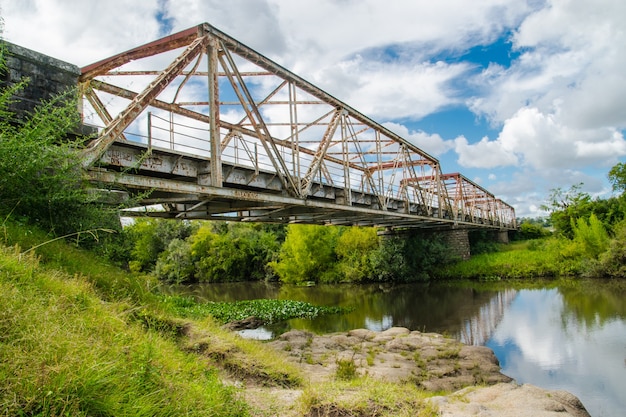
{"x":215,"y":130}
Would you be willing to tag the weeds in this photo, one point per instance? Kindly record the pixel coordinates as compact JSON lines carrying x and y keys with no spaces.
{"x":346,"y":369}
{"x":366,"y":397}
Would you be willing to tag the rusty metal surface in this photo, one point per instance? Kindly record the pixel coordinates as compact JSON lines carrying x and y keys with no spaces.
{"x":217,"y":130}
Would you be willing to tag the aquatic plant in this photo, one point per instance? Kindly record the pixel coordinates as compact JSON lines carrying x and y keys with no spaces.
{"x":269,"y":311}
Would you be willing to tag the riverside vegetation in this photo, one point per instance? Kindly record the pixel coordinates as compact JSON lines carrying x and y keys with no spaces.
{"x":581,"y":237}
{"x":81,"y":336}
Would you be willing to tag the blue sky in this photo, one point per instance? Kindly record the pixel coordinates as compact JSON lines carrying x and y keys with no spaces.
{"x":519,"y":96}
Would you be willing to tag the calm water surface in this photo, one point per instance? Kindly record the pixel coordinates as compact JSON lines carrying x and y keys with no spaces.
{"x":570,"y":336}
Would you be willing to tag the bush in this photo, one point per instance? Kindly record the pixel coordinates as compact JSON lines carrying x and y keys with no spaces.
{"x":236,"y":252}
{"x":590,"y":236}
{"x":354,"y":247}
{"x":40,"y":168}
{"x":529,"y":231}
{"x":612,"y":262}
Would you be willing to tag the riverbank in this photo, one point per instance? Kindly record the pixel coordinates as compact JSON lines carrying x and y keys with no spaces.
{"x":432,"y":376}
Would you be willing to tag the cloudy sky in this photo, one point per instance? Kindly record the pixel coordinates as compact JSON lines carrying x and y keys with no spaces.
{"x":519,"y":96}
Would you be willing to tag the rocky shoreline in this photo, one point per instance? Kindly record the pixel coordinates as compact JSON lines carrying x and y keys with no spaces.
{"x":433,"y":362}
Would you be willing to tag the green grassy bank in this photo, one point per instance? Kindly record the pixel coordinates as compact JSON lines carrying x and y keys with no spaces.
{"x":548,"y":258}
{"x":81,"y":337}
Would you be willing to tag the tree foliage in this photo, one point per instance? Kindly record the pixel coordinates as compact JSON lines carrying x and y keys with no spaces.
{"x":591,"y":236}
{"x":354,"y":248}
{"x":617,"y":177}
{"x":567,"y":205}
{"x":148,"y":238}
{"x":239,"y":252}
{"x":531,"y":230}
{"x":308,"y":254}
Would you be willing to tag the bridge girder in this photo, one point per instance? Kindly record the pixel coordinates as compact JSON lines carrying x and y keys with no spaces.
{"x":206,"y":123}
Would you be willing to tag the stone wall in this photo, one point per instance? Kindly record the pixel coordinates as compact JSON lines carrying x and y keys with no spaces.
{"x":458,"y":241}
{"x":47,"y":76}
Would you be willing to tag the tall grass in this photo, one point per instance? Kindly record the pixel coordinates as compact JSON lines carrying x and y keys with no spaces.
{"x":63,"y":351}
{"x":529,"y":259}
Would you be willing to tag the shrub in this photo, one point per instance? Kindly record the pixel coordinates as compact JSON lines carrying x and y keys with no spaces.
{"x":590,"y":236}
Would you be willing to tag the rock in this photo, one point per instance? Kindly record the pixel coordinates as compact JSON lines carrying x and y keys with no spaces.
{"x":429,"y":360}
{"x":247,"y":323}
{"x":509,"y":400}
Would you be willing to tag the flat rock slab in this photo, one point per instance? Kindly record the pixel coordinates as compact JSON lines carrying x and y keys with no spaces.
{"x":510,"y":400}
{"x":429,"y":360}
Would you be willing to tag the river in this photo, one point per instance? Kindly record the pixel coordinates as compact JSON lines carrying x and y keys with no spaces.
{"x":567,"y":335}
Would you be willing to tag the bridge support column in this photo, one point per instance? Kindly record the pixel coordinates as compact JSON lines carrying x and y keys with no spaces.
{"x":458,"y":241}
{"x":501,"y":236}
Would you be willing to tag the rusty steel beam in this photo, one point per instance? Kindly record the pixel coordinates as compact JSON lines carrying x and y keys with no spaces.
{"x":177,"y":109}
{"x":165,"y":44}
{"x":126,"y":117}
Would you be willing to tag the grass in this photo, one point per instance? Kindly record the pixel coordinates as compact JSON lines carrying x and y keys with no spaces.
{"x":81,"y":337}
{"x":520,"y":260}
{"x":63,"y":351}
{"x":365,"y":396}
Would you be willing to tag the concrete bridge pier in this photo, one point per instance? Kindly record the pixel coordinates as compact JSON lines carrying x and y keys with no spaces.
{"x":500,"y":236}
{"x":458,"y":242}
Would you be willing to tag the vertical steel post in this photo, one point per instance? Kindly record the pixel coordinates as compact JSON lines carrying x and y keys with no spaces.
{"x":214,"y":114}
{"x":149,"y":132}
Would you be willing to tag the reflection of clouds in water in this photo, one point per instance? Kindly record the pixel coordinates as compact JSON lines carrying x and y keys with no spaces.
{"x":531,"y":326}
{"x":536,"y":342}
{"x":477,"y":329}
{"x":378,"y":325}
{"x":260,"y":333}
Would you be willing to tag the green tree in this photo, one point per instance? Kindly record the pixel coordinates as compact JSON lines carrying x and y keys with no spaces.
{"x":567,"y":205}
{"x":389,"y":262}
{"x":410,"y":257}
{"x":233,"y":252}
{"x":151,"y":237}
{"x":612,"y":262}
{"x":175,"y":264}
{"x":591,"y":236}
{"x":308,"y":254}
{"x":531,"y":230}
{"x":354,"y":248}
{"x":617,"y":177}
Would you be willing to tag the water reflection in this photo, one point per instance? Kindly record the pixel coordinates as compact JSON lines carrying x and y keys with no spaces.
{"x":553,"y":338}
{"x":466,"y":313}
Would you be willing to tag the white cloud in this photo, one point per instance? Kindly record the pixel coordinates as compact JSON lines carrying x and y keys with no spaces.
{"x":431,"y":143}
{"x":392,"y":91}
{"x":79,"y":31}
{"x":560,"y":106}
{"x":541,"y":141}
{"x":484,"y":154}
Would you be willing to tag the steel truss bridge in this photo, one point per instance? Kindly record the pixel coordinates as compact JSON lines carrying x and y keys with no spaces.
{"x":215,"y":130}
